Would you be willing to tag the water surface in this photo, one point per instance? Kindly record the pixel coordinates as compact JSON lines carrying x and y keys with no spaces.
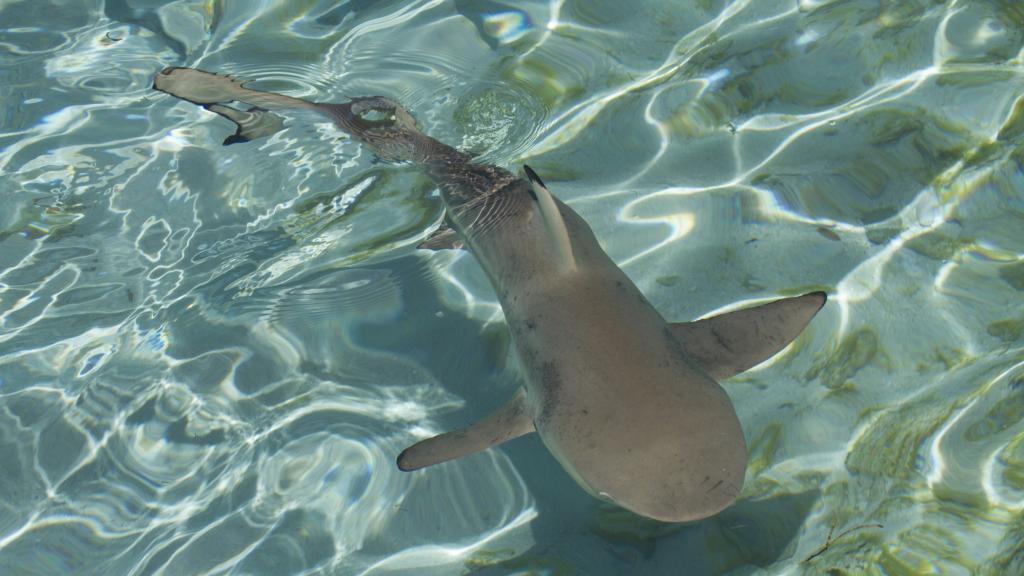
{"x":210,"y":355}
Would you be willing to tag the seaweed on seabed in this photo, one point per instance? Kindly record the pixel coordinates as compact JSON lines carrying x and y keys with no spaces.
{"x":830,"y":540}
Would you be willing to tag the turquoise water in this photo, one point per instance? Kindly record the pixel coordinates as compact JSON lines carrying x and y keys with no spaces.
{"x":211,"y":355}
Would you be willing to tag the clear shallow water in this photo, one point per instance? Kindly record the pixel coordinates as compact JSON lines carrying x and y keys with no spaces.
{"x":210,"y":356}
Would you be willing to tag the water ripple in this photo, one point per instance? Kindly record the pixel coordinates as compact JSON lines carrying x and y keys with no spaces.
{"x":210,"y":355}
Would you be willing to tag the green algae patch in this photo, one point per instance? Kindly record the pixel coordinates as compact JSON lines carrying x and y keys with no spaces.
{"x":535,"y":566}
{"x":702,"y":116}
{"x":855,"y":351}
{"x":1013,"y":128}
{"x":967,"y":78}
{"x":1010,"y":559}
{"x":804,"y":289}
{"x":845,"y":390}
{"x":46,"y":217}
{"x":901,"y":562}
{"x":1009,"y":330}
{"x":541,"y":79}
{"x":487,"y":558}
{"x":889,"y":447}
{"x":847,"y":553}
{"x":706,"y":5}
{"x":361,"y":203}
{"x":967,"y":504}
{"x":916,"y":551}
{"x":907,"y":144}
{"x":1013,"y":274}
{"x":1003,"y":415}
{"x":881,"y":235}
{"x":1013,"y":459}
{"x":506,"y":560}
{"x":950,"y":357}
{"x":896,"y":127}
{"x":763,"y":448}
{"x":937,"y":246}
{"x":983,"y":153}
{"x":760,"y":485}
{"x":751,"y":284}
{"x":846,"y":509}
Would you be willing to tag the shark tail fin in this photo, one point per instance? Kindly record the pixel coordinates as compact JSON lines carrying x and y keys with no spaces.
{"x":510,"y":421}
{"x":249,"y":124}
{"x":553,"y":221}
{"x":729,"y":343}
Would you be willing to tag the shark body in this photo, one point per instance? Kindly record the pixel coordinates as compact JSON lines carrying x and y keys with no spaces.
{"x":627,"y":402}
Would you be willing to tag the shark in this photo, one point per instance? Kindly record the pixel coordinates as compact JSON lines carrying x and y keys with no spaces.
{"x":628,"y":403}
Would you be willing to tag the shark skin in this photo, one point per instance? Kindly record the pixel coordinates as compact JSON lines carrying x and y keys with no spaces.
{"x":626,"y":402}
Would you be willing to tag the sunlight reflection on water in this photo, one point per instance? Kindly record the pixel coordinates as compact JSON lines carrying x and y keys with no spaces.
{"x":211,"y":355}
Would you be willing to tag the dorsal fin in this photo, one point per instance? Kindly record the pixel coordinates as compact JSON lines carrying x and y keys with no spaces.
{"x":510,"y":421}
{"x":730,"y":343}
{"x":553,"y":221}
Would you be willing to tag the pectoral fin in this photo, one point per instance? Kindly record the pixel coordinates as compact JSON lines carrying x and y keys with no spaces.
{"x":510,"y":421}
{"x":444,"y":238}
{"x":730,"y":343}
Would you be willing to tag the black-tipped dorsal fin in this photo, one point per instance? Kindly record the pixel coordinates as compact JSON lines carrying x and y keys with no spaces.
{"x":730,"y":343}
{"x":510,"y":421}
{"x":553,"y":222}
